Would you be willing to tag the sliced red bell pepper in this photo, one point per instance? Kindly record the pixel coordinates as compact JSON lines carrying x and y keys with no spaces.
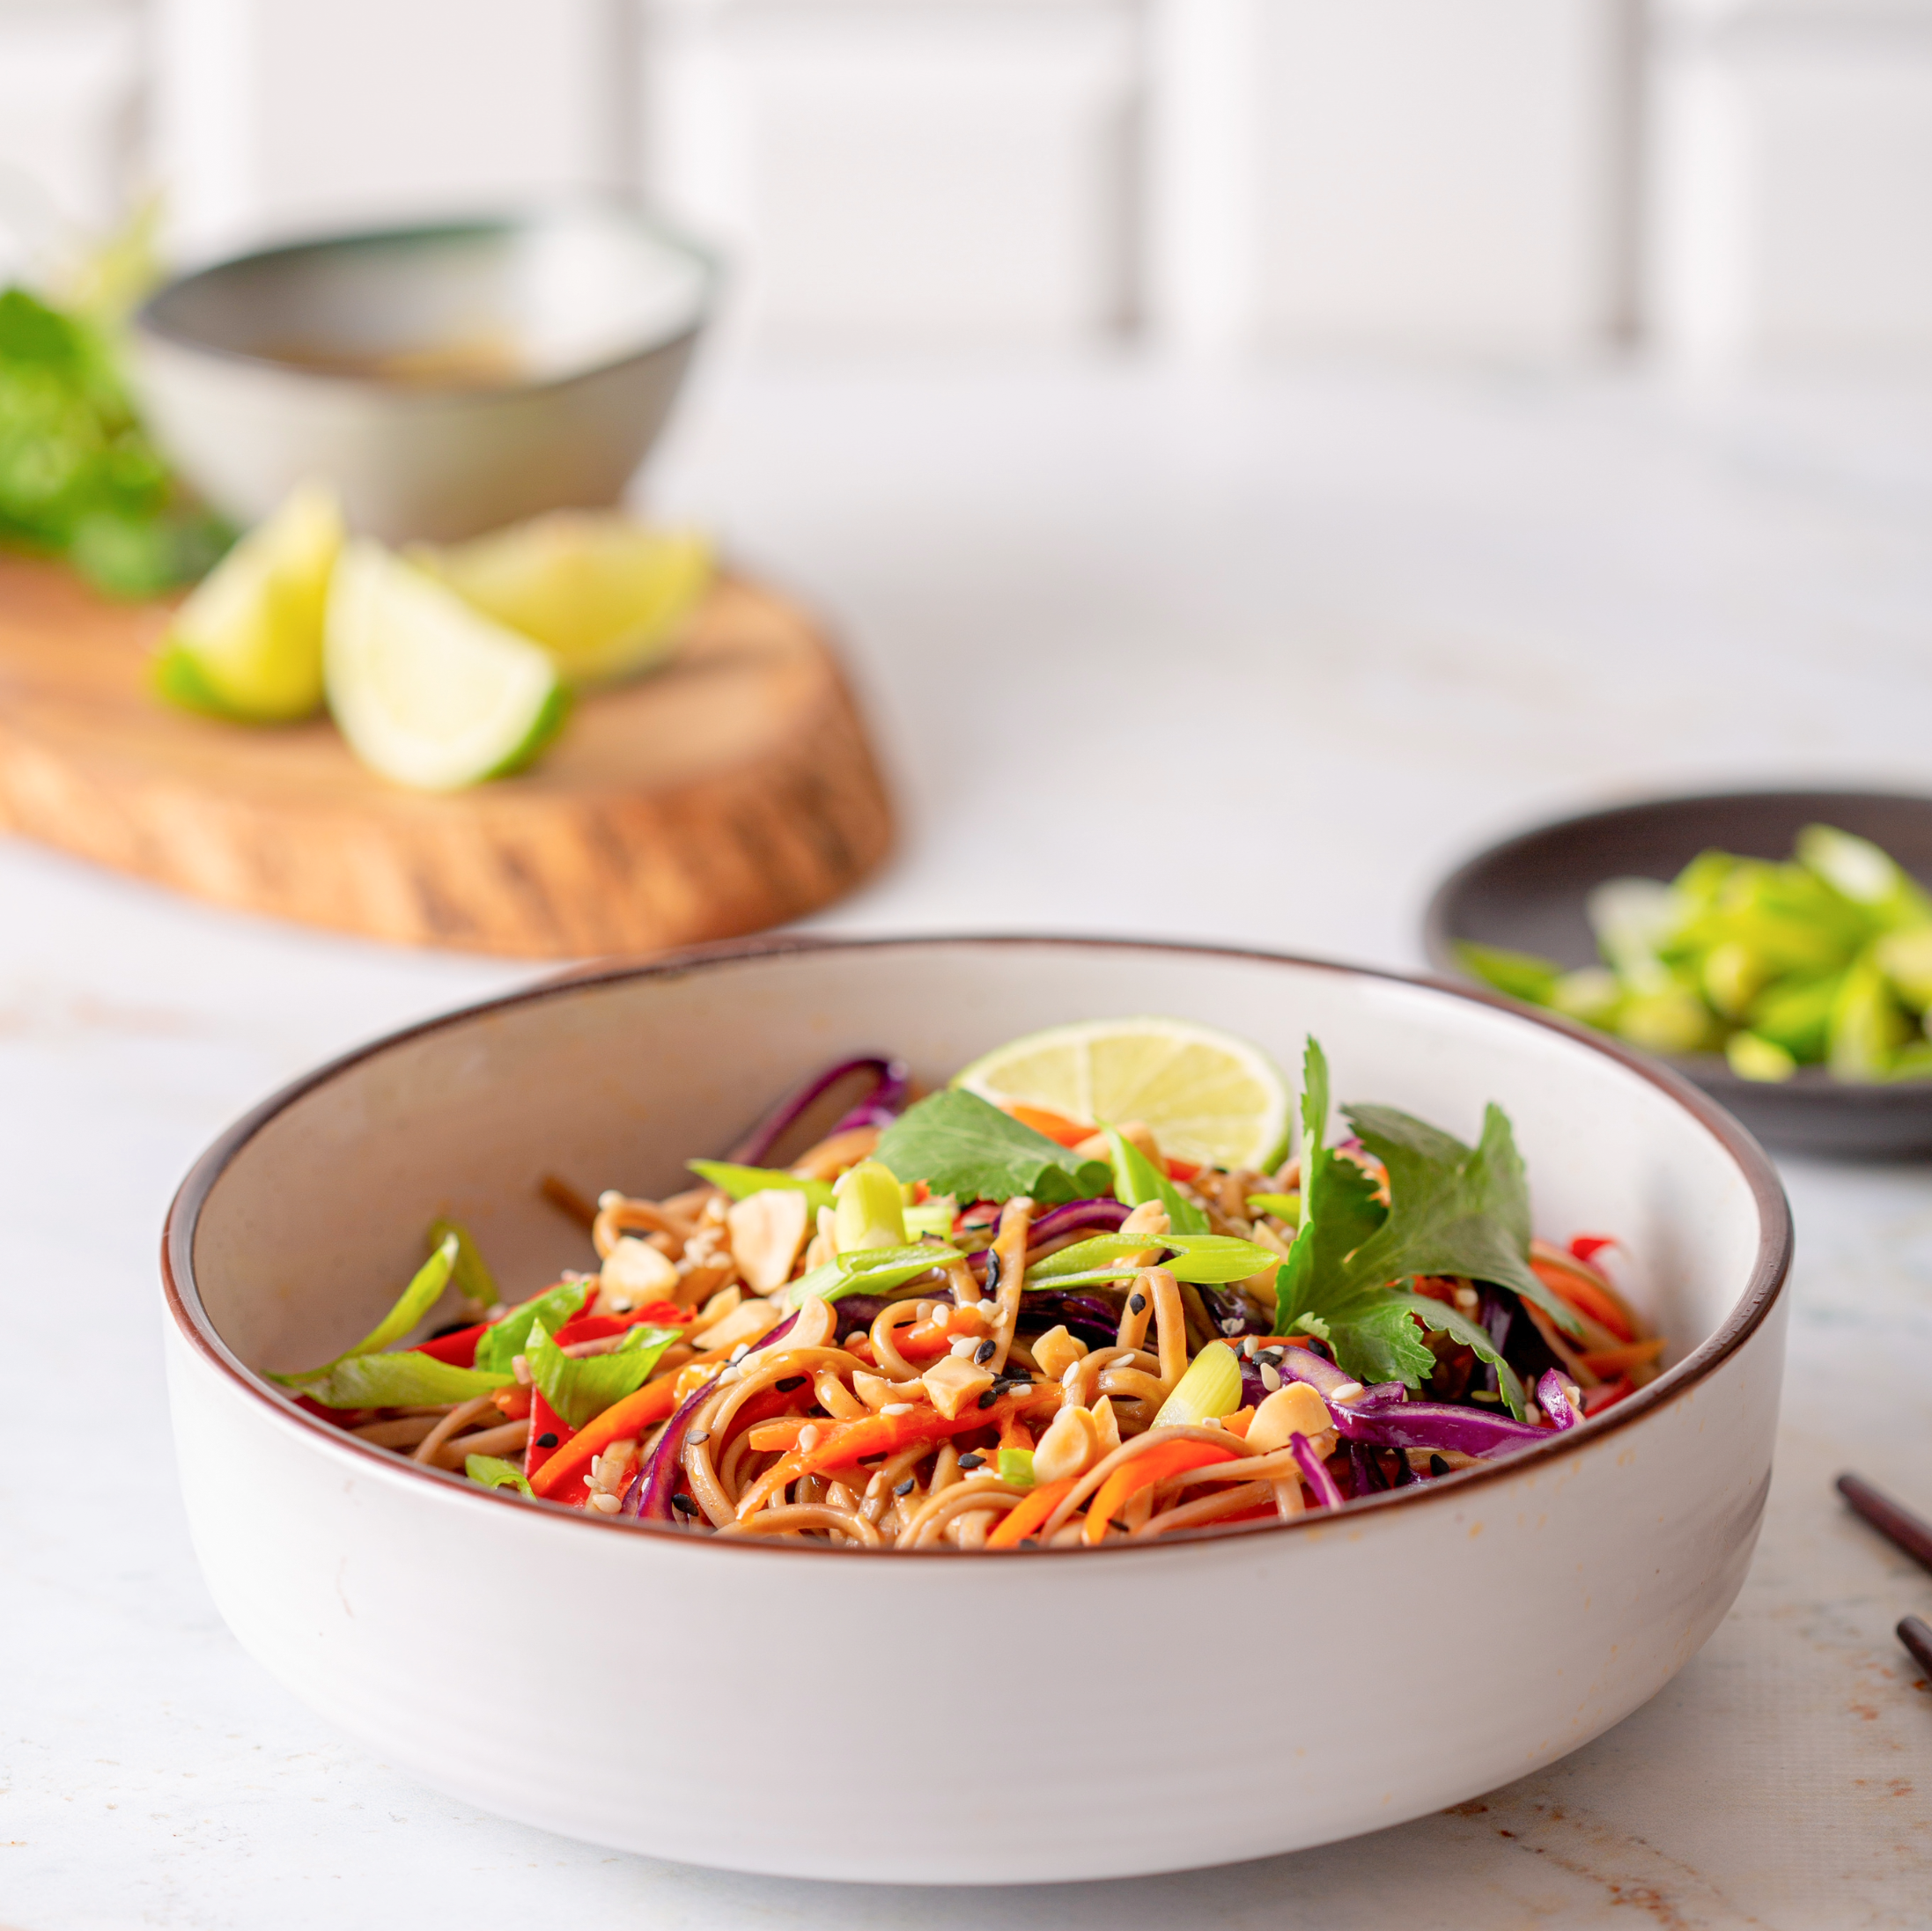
{"x":1587,"y":1246}
{"x":458,"y":1349}
{"x":544,"y":1421}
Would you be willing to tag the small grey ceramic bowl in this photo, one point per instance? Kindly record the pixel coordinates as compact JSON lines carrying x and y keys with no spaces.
{"x":1527,"y":894}
{"x":445,"y":379}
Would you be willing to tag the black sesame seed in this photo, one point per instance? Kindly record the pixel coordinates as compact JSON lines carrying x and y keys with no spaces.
{"x":1137,"y":1304}
{"x":992,"y":1272}
{"x":1114,"y":1522}
{"x":985,"y":1351}
{"x":867,"y":1461}
{"x":971,"y":1461}
{"x":904,"y":1487}
{"x":1437,"y":1465}
{"x":685,"y":1505}
{"x":989,"y":1398}
{"x":546,"y":1440}
{"x":1273,"y":1357}
{"x":789,"y":1383}
{"x":1029,"y":1542}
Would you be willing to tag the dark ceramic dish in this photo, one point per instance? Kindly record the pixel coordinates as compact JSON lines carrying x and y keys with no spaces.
{"x":1527,"y":894}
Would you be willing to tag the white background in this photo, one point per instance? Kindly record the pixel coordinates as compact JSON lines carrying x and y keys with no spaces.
{"x":1725,"y":181}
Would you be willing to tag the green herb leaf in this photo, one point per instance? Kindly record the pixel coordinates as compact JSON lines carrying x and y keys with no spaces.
{"x":1453,"y":1210}
{"x":959,"y":1144}
{"x":408,"y":1380}
{"x":1137,"y":1180}
{"x":500,"y":1345}
{"x":579,"y":1389}
{"x":474,"y":1280}
{"x":1456,"y":1210}
{"x":741,"y":1181}
{"x":494,"y":1472}
{"x":1439,"y":1318}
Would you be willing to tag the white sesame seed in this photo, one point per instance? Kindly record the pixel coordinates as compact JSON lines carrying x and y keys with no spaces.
{"x":609,"y":1198}
{"x":807,"y":1438}
{"x":854,"y":1338}
{"x":1347,"y":1391}
{"x":605,"y":1504}
{"x":698,"y":1437}
{"x":738,"y":1352}
{"x":730,"y":1375}
{"x":620,"y":1305}
{"x":896,"y":1408}
{"x":1248,"y":1348}
{"x":1270,"y":1378}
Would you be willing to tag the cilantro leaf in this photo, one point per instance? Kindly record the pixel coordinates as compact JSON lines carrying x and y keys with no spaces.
{"x":1453,"y":1210}
{"x":1375,"y":1338}
{"x":1440,"y":1319}
{"x":959,"y":1144}
{"x":1459,"y":1210}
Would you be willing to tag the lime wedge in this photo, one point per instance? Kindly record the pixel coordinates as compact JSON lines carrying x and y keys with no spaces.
{"x":1209,"y":1097}
{"x":427,"y":690}
{"x":604,"y":596}
{"x":247,"y":643}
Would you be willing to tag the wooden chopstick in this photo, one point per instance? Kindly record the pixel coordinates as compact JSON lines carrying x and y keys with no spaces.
{"x":1904,"y":1530}
{"x":1898,"y":1526}
{"x":1917,"y":1637}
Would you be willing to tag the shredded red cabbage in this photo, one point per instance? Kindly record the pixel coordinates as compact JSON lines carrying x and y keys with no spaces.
{"x":888,"y":1097}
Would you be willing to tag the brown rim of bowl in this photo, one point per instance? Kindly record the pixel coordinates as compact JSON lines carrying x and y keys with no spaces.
{"x":146,"y":321}
{"x":1768,"y":1274}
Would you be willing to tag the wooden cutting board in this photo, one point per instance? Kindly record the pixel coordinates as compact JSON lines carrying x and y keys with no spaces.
{"x":732,"y":789}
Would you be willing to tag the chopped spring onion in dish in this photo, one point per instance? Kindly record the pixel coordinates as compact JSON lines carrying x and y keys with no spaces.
{"x":1824,"y":961}
{"x":943,"y":1325}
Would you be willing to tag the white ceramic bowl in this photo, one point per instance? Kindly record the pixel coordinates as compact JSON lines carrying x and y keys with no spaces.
{"x":1050,"y":1714}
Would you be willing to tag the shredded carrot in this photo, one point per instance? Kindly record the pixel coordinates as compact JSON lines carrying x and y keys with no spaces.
{"x":1572,"y":1280}
{"x":1027,"y":1515}
{"x":846,"y":1442}
{"x":513,"y":1404}
{"x":1056,"y":1126}
{"x":631,"y":1416}
{"x":1169,"y":1458}
{"x":1611,"y":1362}
{"x":1238,"y":1423}
{"x":926,"y":1342}
{"x":781,"y":1433}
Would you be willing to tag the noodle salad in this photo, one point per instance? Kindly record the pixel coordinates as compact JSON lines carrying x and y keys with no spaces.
{"x":966,"y":1321}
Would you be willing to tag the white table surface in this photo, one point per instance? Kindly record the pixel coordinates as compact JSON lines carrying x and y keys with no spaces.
{"x":1248,"y":658}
